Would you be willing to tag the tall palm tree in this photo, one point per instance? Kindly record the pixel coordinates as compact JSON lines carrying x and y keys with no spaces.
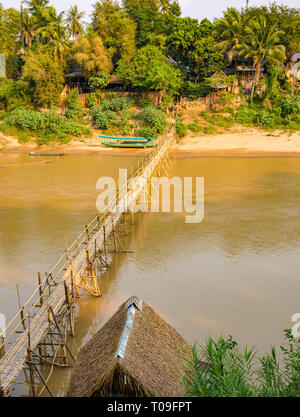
{"x":28,"y":28}
{"x":75,"y":22}
{"x":231,"y":29}
{"x":262,"y":43}
{"x":53,"y":31}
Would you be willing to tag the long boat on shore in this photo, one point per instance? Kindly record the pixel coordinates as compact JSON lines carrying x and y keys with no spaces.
{"x":128,"y":142}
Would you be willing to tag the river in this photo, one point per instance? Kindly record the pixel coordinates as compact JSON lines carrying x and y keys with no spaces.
{"x":236,"y":273}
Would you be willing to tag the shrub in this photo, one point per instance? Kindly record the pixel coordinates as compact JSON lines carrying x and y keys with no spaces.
{"x":49,"y":125}
{"x":210,"y":130}
{"x":267,"y":119}
{"x":146,"y":132}
{"x":236,"y":373}
{"x":181,"y":128}
{"x":194,"y":127}
{"x":92,"y":100}
{"x":246,"y":115}
{"x":117,"y":104}
{"x":155,"y":119}
{"x":99,"y":118}
{"x":73,"y":105}
{"x":14,"y":94}
{"x":290,"y":105}
{"x":110,"y":115}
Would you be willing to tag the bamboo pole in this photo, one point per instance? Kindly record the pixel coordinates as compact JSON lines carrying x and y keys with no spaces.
{"x":21,"y":309}
{"x":40,"y":288}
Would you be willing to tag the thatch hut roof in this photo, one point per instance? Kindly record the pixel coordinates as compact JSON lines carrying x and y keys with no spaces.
{"x":136,"y":353}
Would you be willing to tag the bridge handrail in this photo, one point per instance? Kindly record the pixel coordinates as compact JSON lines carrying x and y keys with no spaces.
{"x":73,"y":249}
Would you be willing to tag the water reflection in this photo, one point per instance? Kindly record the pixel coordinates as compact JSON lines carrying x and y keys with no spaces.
{"x":235,"y":273}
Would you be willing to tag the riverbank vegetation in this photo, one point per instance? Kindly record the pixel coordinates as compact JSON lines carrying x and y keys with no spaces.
{"x":232,"y":372}
{"x":238,"y":65}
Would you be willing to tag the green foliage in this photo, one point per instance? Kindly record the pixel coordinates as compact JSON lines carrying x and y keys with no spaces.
{"x":150,"y":70}
{"x":283,"y":112}
{"x":92,"y":100}
{"x":236,"y":373}
{"x":99,"y":118}
{"x":146,"y":132}
{"x":195,"y":128}
{"x":99,"y":82}
{"x":73,"y":105}
{"x":181,"y":128}
{"x":92,"y":56}
{"x":155,"y":119}
{"x":45,"y":73}
{"x":117,"y":104}
{"x":48,"y":125}
{"x":14,"y":94}
{"x":116,"y":29}
{"x":195,"y":47}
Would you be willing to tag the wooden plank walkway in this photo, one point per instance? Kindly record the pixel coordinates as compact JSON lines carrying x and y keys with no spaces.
{"x":68,"y":272}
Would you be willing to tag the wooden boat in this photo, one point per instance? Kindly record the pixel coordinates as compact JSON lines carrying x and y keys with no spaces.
{"x":128,"y":142}
{"x":45,"y":154}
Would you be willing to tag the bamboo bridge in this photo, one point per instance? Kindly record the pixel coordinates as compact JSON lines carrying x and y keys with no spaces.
{"x":38,"y":332}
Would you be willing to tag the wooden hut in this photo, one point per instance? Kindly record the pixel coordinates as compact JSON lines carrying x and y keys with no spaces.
{"x":136,"y":353}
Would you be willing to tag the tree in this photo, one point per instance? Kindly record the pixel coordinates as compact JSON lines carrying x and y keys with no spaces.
{"x":231,"y":29}
{"x":194,"y":46}
{"x":92,"y":56}
{"x":262,"y":44}
{"x":74,"y":20}
{"x":45,"y":73}
{"x":151,"y":17}
{"x":117,"y":31}
{"x":9,"y":31}
{"x":286,"y":20}
{"x":28,"y":28}
{"x":150,"y":70}
{"x":53,"y":32}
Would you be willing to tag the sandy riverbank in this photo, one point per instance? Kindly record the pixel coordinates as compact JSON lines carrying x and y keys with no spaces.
{"x":251,"y":142}
{"x":246,"y":142}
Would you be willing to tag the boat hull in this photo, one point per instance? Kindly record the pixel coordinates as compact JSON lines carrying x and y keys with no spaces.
{"x":130,"y":145}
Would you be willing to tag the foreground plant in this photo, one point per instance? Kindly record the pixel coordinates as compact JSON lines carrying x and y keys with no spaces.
{"x":231,"y":372}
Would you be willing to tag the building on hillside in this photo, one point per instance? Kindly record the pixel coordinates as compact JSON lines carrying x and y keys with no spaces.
{"x":136,"y":353}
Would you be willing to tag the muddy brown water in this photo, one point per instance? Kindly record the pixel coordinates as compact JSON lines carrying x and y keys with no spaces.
{"x":236,"y":273}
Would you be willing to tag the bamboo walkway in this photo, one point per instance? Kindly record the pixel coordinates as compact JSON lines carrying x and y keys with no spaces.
{"x":37,"y":334}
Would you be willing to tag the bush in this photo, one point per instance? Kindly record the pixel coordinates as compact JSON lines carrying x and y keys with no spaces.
{"x":210,"y":130}
{"x":73,"y":105}
{"x":110,"y":115}
{"x":267,"y":119}
{"x":49,"y":125}
{"x":155,"y":119}
{"x":92,"y":100}
{"x":194,"y":127}
{"x":246,"y":115}
{"x":117,"y":104}
{"x":146,"y":132}
{"x":14,"y":94}
{"x":290,"y":105}
{"x":181,"y":128}
{"x":99,"y":118}
{"x":236,"y":373}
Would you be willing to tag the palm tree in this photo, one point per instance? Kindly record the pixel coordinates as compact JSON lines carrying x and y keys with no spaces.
{"x":28,"y":28}
{"x":53,"y":31}
{"x":231,"y":29}
{"x":75,"y":22}
{"x":262,"y":44}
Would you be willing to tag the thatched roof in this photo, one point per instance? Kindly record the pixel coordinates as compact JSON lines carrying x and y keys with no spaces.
{"x":135,"y":353}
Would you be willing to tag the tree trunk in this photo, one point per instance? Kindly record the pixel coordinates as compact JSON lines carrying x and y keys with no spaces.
{"x":256,"y":78}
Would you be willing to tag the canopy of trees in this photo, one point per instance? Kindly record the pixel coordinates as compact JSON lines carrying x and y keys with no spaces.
{"x":145,"y":42}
